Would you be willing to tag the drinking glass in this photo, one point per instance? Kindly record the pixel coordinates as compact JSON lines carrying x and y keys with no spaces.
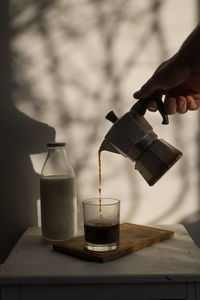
{"x":101,"y":223}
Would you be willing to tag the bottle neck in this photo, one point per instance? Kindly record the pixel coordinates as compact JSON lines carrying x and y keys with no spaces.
{"x":57,"y":163}
{"x":57,"y":153}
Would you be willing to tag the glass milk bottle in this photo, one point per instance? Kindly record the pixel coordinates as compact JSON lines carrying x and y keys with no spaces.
{"x":58,"y":195}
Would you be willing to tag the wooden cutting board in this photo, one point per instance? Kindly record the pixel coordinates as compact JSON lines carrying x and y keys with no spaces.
{"x":132,"y":238}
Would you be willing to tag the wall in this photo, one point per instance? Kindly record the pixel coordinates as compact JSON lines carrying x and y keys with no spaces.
{"x":66,"y":64}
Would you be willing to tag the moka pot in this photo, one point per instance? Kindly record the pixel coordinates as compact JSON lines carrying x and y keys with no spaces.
{"x":133,"y":137}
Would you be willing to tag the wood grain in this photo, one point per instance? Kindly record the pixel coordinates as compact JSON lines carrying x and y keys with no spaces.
{"x":133,"y":237}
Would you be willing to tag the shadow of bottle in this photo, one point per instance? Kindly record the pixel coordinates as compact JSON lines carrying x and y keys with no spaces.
{"x":20,"y":137}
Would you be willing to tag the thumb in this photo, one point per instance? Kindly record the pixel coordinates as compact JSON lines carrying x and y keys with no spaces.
{"x":147,"y":89}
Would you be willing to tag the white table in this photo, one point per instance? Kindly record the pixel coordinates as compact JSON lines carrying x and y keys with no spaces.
{"x":166,"y":270}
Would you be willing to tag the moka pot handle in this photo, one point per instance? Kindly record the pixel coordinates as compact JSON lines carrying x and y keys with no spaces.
{"x":140,"y":107}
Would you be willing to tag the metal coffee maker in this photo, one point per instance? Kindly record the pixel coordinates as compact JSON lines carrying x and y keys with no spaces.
{"x":133,"y":137}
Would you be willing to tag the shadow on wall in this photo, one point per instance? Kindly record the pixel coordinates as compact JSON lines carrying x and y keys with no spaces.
{"x":44,"y":24}
{"x":192,"y":224}
{"x":20,"y":136}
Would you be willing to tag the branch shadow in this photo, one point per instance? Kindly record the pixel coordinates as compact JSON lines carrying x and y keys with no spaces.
{"x":106,"y":18}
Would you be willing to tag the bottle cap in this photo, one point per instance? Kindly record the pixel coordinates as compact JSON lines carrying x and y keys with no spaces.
{"x":54,"y":144}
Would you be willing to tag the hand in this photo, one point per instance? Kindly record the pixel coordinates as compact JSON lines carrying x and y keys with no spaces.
{"x":178,"y":79}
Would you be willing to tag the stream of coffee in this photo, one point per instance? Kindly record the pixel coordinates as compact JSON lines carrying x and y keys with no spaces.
{"x":99,"y":159}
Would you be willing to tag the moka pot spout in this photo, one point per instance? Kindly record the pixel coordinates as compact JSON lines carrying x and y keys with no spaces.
{"x":106,"y":146}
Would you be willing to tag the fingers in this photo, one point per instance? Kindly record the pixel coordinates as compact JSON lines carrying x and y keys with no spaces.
{"x":152,"y":106}
{"x":170,"y":105}
{"x":180,"y":104}
{"x":192,"y":103}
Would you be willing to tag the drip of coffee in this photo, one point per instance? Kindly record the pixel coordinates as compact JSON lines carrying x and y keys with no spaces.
{"x":98,"y":233}
{"x":99,"y":159}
